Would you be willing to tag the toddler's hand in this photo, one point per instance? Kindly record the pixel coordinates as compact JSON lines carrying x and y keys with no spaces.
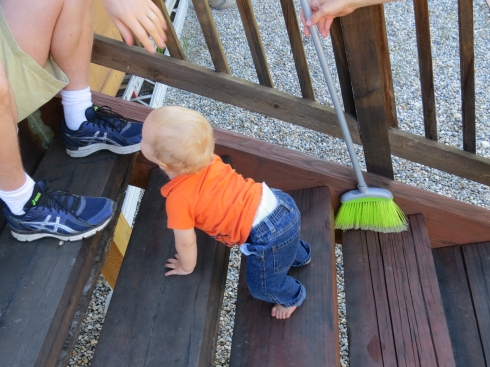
{"x":176,"y":266}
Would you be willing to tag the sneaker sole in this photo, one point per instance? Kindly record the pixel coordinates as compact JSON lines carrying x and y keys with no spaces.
{"x":35,"y":236}
{"x":92,"y":148}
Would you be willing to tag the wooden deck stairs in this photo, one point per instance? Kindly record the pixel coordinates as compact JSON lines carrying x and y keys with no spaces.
{"x":409,"y":303}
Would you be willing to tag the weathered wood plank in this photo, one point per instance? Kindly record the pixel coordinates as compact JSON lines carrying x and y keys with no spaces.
{"x":362,"y":44}
{"x":467,"y":61}
{"x":273,"y":103}
{"x":430,"y":288}
{"x":449,"y":221}
{"x":379,"y":24}
{"x":255,"y":42}
{"x":154,"y":320}
{"x":458,"y":306}
{"x":394,"y":272}
{"x":477,"y":261}
{"x":172,"y":42}
{"x":211,"y":35}
{"x":310,"y":336}
{"x":45,"y":287}
{"x":338,"y":45}
{"x":299,"y":56}
{"x":422,"y":25}
{"x":366,"y":293}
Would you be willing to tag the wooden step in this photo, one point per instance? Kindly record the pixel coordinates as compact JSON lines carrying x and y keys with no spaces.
{"x":310,"y":336}
{"x":395,"y":315}
{"x":155,"y":320}
{"x":464,"y":279}
{"x":45,"y":288}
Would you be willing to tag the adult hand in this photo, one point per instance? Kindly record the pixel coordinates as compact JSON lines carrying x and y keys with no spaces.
{"x":324,"y":12}
{"x":139,"y":17}
{"x":175,"y":264}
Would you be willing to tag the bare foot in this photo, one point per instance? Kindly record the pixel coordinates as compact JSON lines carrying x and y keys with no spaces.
{"x":281,"y":312}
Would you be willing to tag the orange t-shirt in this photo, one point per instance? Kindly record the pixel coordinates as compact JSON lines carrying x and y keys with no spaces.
{"x":216,"y":200}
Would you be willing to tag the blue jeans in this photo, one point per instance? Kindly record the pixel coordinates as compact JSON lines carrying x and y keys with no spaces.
{"x":272,"y":248}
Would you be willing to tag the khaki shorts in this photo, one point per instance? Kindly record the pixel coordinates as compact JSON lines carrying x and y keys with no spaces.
{"x":32,"y":85}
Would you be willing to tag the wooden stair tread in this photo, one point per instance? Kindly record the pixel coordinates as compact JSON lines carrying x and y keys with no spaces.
{"x":155,"y":320}
{"x":45,"y":288}
{"x":464,"y":279}
{"x":310,"y":336}
{"x":395,"y":315}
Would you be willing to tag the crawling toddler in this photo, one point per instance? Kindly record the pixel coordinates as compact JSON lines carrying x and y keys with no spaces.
{"x":207,"y":194}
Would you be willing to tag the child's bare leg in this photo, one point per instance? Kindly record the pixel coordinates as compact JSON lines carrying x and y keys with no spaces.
{"x":281,"y":312}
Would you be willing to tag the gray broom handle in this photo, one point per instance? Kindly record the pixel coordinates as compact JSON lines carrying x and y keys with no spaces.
{"x":333,"y":93}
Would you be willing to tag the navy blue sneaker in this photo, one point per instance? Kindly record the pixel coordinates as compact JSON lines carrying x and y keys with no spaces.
{"x":104,"y":129}
{"x":59,"y":214}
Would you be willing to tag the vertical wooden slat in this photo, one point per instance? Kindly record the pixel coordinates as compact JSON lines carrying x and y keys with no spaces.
{"x":255,"y":42}
{"x":211,"y":36}
{"x":458,"y":306}
{"x":362,"y":55}
{"x":378,"y":15}
{"x":477,"y":261}
{"x":421,"y":9}
{"x":173,"y":44}
{"x":289,"y":12}
{"x":342,"y":67}
{"x":467,"y":60}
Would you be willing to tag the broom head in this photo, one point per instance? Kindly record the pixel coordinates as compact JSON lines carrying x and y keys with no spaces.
{"x":373,"y":210}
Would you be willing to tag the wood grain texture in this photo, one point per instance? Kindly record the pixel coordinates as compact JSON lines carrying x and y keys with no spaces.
{"x":393,"y":277}
{"x":422,"y":25}
{"x":154,"y":320}
{"x":211,"y":35}
{"x":46,"y":288}
{"x":115,"y":256}
{"x":362,"y":44}
{"x":467,"y":62}
{"x":255,"y":42}
{"x":449,"y":221}
{"x":310,"y":336}
{"x":458,"y":306}
{"x":382,"y":50}
{"x":338,"y":45}
{"x":301,"y":112}
{"x":297,"y":48}
{"x":220,"y":86}
{"x":477,"y":261}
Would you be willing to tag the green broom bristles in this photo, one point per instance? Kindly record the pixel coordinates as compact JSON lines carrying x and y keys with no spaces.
{"x":371,"y":214}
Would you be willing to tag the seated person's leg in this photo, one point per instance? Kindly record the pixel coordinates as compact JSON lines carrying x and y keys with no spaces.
{"x":31,"y":209}
{"x":86,"y":128}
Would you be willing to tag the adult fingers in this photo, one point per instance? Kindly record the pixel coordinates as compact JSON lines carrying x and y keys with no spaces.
{"x":303,"y":20}
{"x":324,"y":26}
{"x":125,"y":31}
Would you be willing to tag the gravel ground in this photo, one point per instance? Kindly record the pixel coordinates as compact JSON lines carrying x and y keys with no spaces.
{"x":402,"y":43}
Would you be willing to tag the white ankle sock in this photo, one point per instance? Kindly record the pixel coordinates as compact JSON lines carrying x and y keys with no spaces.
{"x":75,"y":102}
{"x":16,"y":199}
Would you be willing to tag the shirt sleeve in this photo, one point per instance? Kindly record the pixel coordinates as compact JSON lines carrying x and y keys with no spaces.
{"x":179,"y":212}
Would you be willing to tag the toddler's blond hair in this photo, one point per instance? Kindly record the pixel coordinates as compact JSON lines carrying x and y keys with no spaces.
{"x":184,"y":139}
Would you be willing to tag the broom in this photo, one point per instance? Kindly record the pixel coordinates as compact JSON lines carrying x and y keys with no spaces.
{"x":367,"y":208}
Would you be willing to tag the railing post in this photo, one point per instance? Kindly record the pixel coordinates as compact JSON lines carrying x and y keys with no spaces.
{"x":368,"y":59}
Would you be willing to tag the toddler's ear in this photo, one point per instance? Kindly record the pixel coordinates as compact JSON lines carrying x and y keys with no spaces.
{"x":163,"y":166}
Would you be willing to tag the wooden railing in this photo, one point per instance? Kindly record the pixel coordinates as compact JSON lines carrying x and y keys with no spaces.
{"x":362,"y":56}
